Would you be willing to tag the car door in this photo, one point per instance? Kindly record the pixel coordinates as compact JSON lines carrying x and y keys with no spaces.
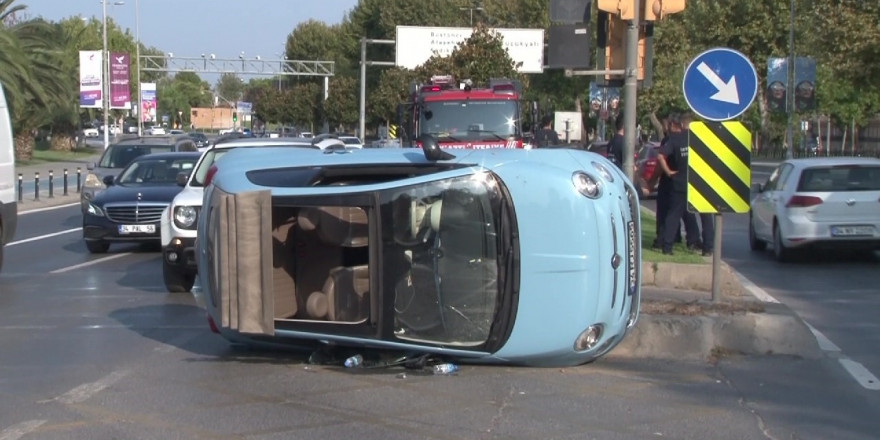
{"x":765,"y":204}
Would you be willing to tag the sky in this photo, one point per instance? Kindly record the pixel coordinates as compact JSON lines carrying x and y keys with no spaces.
{"x":189,"y":28}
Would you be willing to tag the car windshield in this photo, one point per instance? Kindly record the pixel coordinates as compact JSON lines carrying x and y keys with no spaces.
{"x":470,"y":120}
{"x":119,"y":156}
{"x":149,"y":172}
{"x":441,"y":253}
{"x":840,"y":178}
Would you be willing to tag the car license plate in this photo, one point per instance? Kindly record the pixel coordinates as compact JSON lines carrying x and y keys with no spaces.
{"x":137,"y":229}
{"x":851,"y":231}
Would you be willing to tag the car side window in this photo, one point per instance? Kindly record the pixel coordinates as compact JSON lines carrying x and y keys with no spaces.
{"x":784,"y":174}
{"x":774,"y":182}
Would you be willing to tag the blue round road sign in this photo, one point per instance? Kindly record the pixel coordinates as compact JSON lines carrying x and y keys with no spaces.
{"x":720,"y":84}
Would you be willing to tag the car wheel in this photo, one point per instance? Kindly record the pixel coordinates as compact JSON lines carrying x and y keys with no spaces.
{"x":782,"y":253}
{"x":754,"y":243}
{"x":97,"y":247}
{"x":177,"y":280}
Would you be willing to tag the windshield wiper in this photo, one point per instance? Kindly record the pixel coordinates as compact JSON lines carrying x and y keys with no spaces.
{"x":443,"y":135}
{"x":497,"y":136}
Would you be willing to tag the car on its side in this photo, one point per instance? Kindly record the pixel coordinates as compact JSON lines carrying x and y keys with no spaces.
{"x":495,"y":256}
{"x":824,"y":203}
{"x":130,"y":208}
{"x":178,"y":223}
{"x":118,"y":155}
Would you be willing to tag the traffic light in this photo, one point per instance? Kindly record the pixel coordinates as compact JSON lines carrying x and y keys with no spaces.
{"x":657,"y":9}
{"x":234,"y":117}
{"x":615,"y":46}
{"x":623,"y":9}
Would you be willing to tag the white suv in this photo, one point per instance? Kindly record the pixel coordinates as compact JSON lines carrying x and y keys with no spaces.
{"x":180,"y":220}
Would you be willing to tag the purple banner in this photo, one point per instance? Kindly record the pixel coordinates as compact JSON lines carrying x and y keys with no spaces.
{"x":120,"y":89}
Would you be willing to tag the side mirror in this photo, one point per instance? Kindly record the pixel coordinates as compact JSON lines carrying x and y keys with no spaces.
{"x":182,"y":177}
{"x":91,"y":166}
{"x":432,"y":149}
{"x":108,"y":180}
{"x":758,"y":188}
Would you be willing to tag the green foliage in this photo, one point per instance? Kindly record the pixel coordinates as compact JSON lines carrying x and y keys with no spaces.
{"x":341,"y":107}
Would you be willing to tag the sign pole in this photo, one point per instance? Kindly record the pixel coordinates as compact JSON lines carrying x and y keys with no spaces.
{"x":716,"y":257}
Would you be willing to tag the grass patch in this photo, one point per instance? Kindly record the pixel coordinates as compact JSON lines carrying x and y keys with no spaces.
{"x":44,"y":156}
{"x":680,"y":252}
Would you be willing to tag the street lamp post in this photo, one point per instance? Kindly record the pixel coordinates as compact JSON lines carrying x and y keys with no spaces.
{"x":105,"y":84}
{"x":137,"y":33}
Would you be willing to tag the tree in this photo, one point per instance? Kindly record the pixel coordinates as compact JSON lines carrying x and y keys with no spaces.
{"x":341,"y":106}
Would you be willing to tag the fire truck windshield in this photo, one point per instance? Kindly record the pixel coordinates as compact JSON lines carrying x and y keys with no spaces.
{"x":470,"y":120}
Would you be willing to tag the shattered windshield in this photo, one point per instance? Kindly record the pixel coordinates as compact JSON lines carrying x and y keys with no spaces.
{"x":441,"y":254}
{"x":469,"y":120}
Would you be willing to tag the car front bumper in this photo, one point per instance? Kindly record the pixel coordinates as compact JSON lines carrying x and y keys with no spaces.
{"x":101,"y":229}
{"x":181,"y":252}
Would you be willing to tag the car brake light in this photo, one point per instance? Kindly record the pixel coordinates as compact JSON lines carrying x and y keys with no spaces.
{"x":209,"y":176}
{"x":803,"y":201}
{"x":212,"y":325}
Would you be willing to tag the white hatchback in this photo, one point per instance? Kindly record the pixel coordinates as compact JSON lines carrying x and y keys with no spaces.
{"x":179,"y":220}
{"x":818,"y":203}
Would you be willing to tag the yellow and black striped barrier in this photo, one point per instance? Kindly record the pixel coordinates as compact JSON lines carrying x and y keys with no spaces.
{"x":719,"y":167}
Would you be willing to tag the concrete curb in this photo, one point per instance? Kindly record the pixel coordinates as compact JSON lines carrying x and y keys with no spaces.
{"x":774,"y":331}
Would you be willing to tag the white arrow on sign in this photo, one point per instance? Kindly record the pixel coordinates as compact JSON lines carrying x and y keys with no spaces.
{"x":726,"y":91}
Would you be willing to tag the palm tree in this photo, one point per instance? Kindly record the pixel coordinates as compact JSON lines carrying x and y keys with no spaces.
{"x":30,"y":72}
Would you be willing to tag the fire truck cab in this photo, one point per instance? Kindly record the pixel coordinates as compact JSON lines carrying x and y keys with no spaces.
{"x":463,"y":116}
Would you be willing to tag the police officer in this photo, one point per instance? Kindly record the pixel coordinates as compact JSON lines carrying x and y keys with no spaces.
{"x":673,"y":180}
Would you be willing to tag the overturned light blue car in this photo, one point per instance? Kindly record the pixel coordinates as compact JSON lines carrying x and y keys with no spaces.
{"x":528,"y":257}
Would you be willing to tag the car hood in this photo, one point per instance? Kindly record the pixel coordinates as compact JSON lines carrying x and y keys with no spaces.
{"x":134,"y":193}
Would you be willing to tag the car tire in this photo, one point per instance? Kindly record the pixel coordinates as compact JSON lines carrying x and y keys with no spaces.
{"x":755,"y":243}
{"x":97,"y":247}
{"x":782,"y":253}
{"x":177,"y":280}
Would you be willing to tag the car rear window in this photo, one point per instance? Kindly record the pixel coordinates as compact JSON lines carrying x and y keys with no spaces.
{"x":840,"y":178}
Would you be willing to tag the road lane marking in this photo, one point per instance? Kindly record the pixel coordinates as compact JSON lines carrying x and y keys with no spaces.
{"x":48,"y":208}
{"x":824,"y":343}
{"x":87,"y":390}
{"x":20,"y":430}
{"x":860,"y":373}
{"x":90,"y":263}
{"x":42,"y":237}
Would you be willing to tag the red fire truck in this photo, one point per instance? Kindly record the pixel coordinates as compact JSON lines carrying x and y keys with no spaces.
{"x":463,"y":116}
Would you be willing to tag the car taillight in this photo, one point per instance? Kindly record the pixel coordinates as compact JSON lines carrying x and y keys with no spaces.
{"x":209,"y":176}
{"x":803,"y":201}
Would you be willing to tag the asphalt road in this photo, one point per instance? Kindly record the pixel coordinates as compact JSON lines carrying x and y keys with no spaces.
{"x":94,"y":348}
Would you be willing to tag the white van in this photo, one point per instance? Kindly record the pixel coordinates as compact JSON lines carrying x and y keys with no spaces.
{"x":8,"y":204}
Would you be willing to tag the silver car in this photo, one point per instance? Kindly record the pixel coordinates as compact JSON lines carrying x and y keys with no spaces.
{"x":818,"y":203}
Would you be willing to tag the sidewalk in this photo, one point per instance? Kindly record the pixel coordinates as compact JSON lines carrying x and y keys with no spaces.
{"x":27,"y":200}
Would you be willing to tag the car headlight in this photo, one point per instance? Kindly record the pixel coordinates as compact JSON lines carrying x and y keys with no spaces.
{"x":586,"y":184}
{"x":93,"y":182}
{"x":94,"y":210}
{"x":185,"y":216}
{"x":588,"y":338}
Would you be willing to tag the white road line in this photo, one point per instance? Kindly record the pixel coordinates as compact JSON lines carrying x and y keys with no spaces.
{"x":49,"y":208}
{"x":824,"y":343}
{"x":87,"y":390}
{"x":41,"y":237}
{"x":90,"y":263}
{"x":753,"y":288}
{"x":860,"y":373}
{"x":20,"y":430}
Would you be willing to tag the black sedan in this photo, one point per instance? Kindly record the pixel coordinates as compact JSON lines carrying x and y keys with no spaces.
{"x":131,"y":207}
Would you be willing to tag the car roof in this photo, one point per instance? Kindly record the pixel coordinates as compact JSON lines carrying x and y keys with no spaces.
{"x":173,"y":155}
{"x":263,"y":142}
{"x":832,"y":161}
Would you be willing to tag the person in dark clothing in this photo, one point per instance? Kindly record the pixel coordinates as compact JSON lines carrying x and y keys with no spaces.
{"x":615,"y":147}
{"x":546,"y":135}
{"x":673,"y":163}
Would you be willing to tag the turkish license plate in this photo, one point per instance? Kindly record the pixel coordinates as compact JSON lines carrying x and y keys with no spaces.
{"x":851,"y":231}
{"x":137,"y":229}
